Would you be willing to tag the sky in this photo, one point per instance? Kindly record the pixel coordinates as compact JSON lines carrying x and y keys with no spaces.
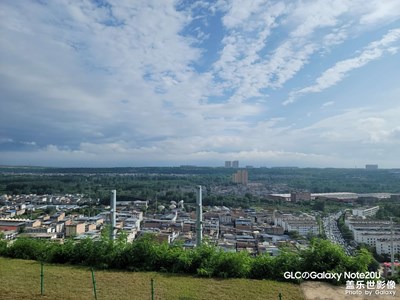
{"x":168,"y":83}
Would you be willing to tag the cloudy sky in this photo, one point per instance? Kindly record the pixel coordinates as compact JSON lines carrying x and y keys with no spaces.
{"x":165,"y":83}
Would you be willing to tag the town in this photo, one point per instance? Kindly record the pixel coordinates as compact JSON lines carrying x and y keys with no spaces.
{"x":257,"y":230}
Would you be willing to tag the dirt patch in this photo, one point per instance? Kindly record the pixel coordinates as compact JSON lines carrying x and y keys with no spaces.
{"x":314,"y":290}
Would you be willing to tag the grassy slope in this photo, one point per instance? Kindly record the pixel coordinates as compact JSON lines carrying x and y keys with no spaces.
{"x":20,"y":279}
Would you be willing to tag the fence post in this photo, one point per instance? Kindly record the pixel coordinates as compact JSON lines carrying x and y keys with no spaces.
{"x":94,"y":284}
{"x":152,"y":289}
{"x":41,"y":279}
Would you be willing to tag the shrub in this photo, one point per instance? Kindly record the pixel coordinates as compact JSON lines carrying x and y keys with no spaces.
{"x":3,"y":247}
{"x":27,"y":249}
{"x":262,"y":267}
{"x":231,"y":264}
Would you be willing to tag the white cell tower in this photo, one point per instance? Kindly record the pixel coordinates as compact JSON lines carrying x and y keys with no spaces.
{"x":199,"y":217}
{"x":113,"y":207}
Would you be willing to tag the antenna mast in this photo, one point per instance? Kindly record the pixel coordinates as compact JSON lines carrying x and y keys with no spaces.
{"x":113,"y":207}
{"x":391,"y":245}
{"x":199,"y":217}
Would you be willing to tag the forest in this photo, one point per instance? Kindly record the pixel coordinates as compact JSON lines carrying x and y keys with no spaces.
{"x":164,"y":184}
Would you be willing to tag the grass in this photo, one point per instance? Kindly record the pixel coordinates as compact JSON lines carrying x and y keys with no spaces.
{"x":20,"y":279}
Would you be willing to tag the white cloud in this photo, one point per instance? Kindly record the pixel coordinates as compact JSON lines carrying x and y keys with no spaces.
{"x":380,"y":11}
{"x":327,"y":104}
{"x":339,"y":71}
{"x":125,"y":83}
{"x":313,"y":15}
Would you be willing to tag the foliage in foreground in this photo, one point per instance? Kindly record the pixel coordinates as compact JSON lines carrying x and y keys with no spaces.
{"x":71,"y":283}
{"x":146,"y":254}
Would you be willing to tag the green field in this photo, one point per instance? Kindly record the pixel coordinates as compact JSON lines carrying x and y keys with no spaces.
{"x":20,"y":279}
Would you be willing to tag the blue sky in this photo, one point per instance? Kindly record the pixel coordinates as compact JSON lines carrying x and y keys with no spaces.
{"x":165,"y":83}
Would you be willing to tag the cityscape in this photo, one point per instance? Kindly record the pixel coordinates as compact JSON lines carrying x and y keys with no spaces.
{"x":200,"y":149}
{"x":262,"y":218}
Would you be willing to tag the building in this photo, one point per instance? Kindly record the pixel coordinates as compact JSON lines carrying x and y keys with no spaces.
{"x":303,"y":227}
{"x":12,"y":224}
{"x":300,"y":196}
{"x":58,"y":216}
{"x":243,"y":224}
{"x":225,"y":218}
{"x":304,"y":224}
{"x":232,"y":164}
{"x":370,"y":238}
{"x":371,"y":167}
{"x":241,"y":176}
{"x":143,"y":204}
{"x":74,"y":229}
{"x":365,"y":211}
{"x":383,"y":246}
{"x":373,"y":233}
{"x":279,"y":197}
{"x":274,"y":230}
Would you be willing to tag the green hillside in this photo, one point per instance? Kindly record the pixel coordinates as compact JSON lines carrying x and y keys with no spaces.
{"x":20,"y":279}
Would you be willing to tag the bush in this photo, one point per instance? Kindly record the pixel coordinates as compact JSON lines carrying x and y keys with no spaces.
{"x":286,"y":261}
{"x":3,"y":248}
{"x":27,"y":249}
{"x":146,"y":254}
{"x":231,"y":264}
{"x":322,"y":256}
{"x":262,"y":267}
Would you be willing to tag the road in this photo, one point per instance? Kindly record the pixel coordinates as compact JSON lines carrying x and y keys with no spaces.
{"x":332,"y":232}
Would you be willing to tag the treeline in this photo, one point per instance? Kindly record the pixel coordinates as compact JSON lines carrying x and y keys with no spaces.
{"x":152,"y":180}
{"x":347,"y":234}
{"x":387,"y":210}
{"x":98,"y":186}
{"x":146,"y":254}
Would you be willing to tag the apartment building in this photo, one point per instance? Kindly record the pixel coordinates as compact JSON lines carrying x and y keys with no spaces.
{"x":241,"y":176}
{"x":74,"y":229}
{"x":304,"y":224}
{"x":365,"y":211}
{"x":374,"y":233}
{"x":303,"y":227}
{"x":300,"y":196}
{"x":383,"y":246}
{"x":370,"y":237}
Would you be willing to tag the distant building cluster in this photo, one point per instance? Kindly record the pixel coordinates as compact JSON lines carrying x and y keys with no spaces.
{"x":230,"y":229}
{"x":304,"y":224}
{"x":365,"y":211}
{"x":371,"y":167}
{"x":300,"y":196}
{"x":64,"y":222}
{"x":256,"y":232}
{"x":232,"y":164}
{"x":376,"y":234}
{"x":241,"y":177}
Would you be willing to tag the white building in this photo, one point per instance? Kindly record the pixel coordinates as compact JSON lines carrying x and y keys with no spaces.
{"x":370,"y":238}
{"x":367,"y":225}
{"x":373,"y":233}
{"x":365,"y":212}
{"x":225,"y":218}
{"x":383,"y":246}
{"x":304,"y":224}
{"x":141,"y":204}
{"x":303,"y":227}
